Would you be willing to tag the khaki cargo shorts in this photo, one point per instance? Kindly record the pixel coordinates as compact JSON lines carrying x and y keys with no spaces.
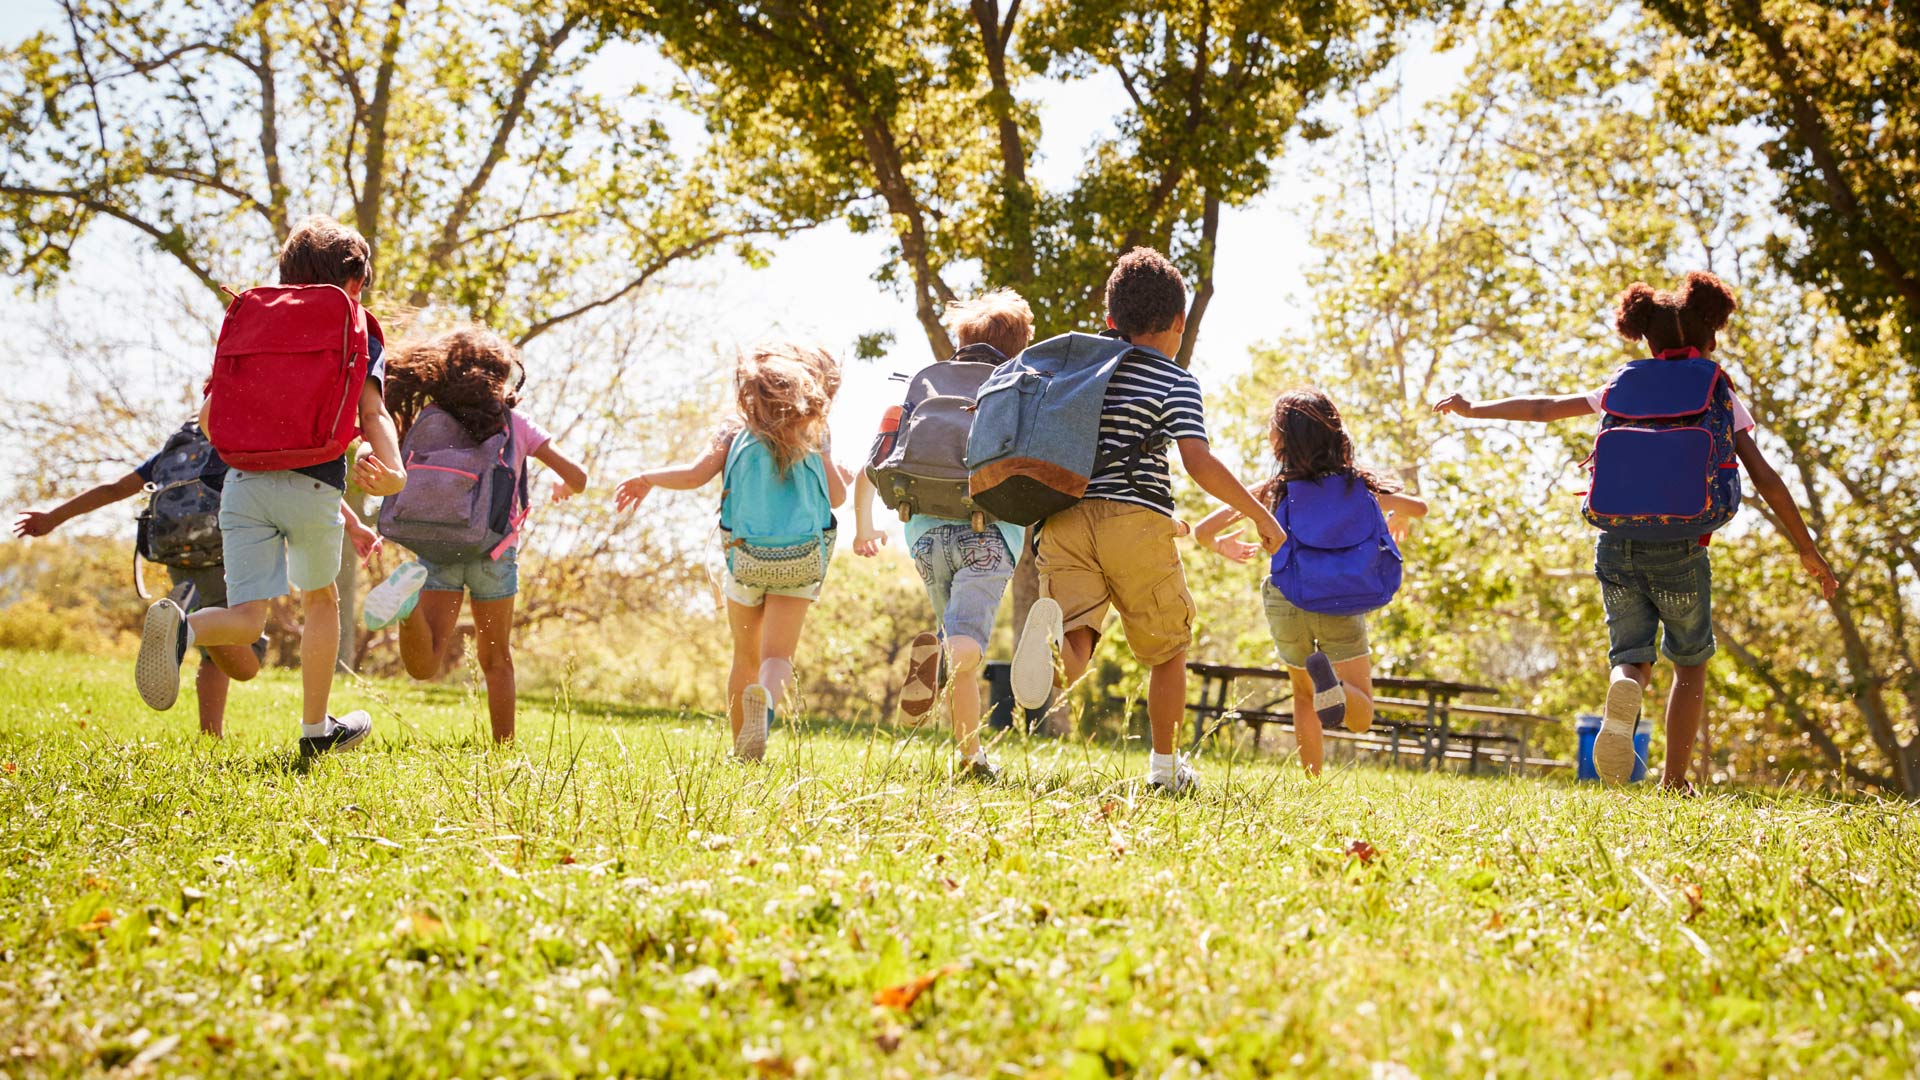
{"x":1100,"y":553}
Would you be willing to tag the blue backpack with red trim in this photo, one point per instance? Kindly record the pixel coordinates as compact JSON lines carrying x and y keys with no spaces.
{"x":1663,"y":465}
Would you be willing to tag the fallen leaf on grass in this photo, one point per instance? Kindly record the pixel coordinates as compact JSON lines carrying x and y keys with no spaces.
{"x":903,"y":996}
{"x":422,"y":924}
{"x":567,"y":860}
{"x":1362,"y":850}
{"x":888,"y":1039}
{"x":1694,"y":903}
{"x":9,"y":767}
{"x":220,"y":1042}
{"x":100,"y":921}
{"x":773,"y":1066}
{"x":1496,"y":921}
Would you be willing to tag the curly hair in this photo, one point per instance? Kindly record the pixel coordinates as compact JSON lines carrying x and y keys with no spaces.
{"x":1310,"y":442}
{"x":1689,"y":316}
{"x":782,"y":392}
{"x":1145,"y":293}
{"x":471,"y":373}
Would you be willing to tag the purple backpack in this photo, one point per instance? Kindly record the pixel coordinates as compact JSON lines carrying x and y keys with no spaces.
{"x":1663,"y":464}
{"x":464,"y":500}
{"x":1338,"y":558}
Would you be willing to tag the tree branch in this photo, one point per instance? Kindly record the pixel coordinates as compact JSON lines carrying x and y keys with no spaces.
{"x":173,"y":242}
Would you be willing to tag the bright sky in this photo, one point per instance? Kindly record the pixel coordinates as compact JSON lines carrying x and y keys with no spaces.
{"x":819,"y":285}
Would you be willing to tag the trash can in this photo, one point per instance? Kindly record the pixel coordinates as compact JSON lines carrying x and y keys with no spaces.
{"x":1587,"y":727}
{"x":1000,"y":705}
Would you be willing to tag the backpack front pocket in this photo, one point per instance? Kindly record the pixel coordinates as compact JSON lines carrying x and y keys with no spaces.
{"x":438,"y":494}
{"x":1651,"y":472}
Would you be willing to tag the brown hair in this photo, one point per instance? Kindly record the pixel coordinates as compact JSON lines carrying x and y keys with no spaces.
{"x":1689,"y":316}
{"x":471,"y":373}
{"x":1310,"y":442}
{"x":1000,"y":318}
{"x":321,"y":251}
{"x":1145,"y":293}
{"x":782,"y":392}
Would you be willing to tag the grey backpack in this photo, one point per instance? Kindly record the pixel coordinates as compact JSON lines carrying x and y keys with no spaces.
{"x":921,"y":466}
{"x":464,"y":500}
{"x":181,"y":525}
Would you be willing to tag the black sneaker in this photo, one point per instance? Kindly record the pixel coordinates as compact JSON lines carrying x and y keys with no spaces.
{"x":343,"y":733}
{"x":980,"y":770}
{"x":163,"y":645}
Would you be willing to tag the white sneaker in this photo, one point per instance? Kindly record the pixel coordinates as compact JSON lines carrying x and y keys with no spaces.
{"x":1613,"y":755}
{"x":1035,"y":655}
{"x":756,"y":716}
{"x":163,"y":645}
{"x":1184,"y":779}
{"x":394,"y":599}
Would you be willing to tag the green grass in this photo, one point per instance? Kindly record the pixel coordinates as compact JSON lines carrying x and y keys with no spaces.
{"x":611,"y":896}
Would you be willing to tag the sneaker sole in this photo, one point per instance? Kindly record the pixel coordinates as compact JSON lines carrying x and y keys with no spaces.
{"x":923,"y":670}
{"x":387,"y":598}
{"x":1032,"y":669}
{"x":750,"y":743}
{"x":1613,"y":755}
{"x":157,"y":673}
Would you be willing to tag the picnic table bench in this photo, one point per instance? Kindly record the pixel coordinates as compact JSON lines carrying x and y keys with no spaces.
{"x":1427,"y":711}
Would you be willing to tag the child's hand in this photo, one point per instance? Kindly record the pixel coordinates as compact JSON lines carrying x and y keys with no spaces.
{"x":1230,"y":546}
{"x":34,"y":523}
{"x":1271,"y":534}
{"x":1181,"y":528}
{"x":631,"y":492}
{"x":1454,"y":403}
{"x":868,"y":542}
{"x":1399,"y":526}
{"x":1822,"y":574}
{"x":375,"y":478}
{"x":366,"y":543}
{"x":562,"y":491}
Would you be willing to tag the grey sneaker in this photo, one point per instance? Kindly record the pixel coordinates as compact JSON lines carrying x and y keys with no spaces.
{"x":1184,"y":781}
{"x":756,"y":716}
{"x":1035,"y":655}
{"x":343,"y":734}
{"x":1613,"y":746}
{"x":163,"y":645}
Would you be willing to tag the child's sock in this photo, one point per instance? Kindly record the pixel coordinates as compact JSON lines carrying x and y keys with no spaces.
{"x":1160,"y":767}
{"x":315,"y":731}
{"x":187,"y":636}
{"x":775,"y":675}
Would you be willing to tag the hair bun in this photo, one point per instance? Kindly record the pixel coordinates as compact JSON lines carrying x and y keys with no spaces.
{"x":1634,"y":310}
{"x":1707,"y":299}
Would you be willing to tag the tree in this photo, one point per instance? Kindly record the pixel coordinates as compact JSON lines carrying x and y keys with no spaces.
{"x":459,"y":139}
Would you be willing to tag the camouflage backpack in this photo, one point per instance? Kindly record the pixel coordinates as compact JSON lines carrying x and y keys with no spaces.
{"x":181,"y":525}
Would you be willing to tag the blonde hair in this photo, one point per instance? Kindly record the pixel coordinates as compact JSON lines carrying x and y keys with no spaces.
{"x":1000,"y":318}
{"x":782,"y":392}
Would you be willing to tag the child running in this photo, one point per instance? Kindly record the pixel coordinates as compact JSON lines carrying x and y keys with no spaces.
{"x":965,"y":572}
{"x":1115,"y":549}
{"x":779,"y":488}
{"x":1659,"y":590}
{"x":1316,"y":491}
{"x":468,"y":381}
{"x":282,"y":528}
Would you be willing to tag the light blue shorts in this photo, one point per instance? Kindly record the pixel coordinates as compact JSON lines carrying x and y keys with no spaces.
{"x":965,"y":573}
{"x":279,"y":529}
{"x":482,"y":579}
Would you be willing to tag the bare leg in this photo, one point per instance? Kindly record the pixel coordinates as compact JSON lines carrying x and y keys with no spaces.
{"x":779,"y":640}
{"x":744,"y":622}
{"x":236,"y":625}
{"x":1166,"y":700}
{"x":1640,"y":673}
{"x":1306,"y":722}
{"x":1076,"y":652}
{"x":1686,"y":708}
{"x":319,"y":649}
{"x":963,"y":657}
{"x":211,"y":686}
{"x":493,"y":634}
{"x":1357,"y":675}
{"x":236,"y":662}
{"x":424,"y":632}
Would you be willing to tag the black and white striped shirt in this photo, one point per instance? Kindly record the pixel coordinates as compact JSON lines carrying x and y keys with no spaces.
{"x":1151,"y":398}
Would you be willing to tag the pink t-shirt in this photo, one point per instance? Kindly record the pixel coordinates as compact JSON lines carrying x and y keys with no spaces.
{"x":527,"y":435}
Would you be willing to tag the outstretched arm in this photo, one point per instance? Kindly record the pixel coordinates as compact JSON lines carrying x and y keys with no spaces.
{"x":1229,"y":546}
{"x":1217,"y":480}
{"x":42,"y":522}
{"x":1538,"y":410}
{"x":379,"y":473}
{"x":635,"y":489}
{"x":1773,"y":491}
{"x":572,"y":479}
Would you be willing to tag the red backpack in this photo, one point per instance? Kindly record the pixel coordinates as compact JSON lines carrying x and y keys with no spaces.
{"x":287,"y":375}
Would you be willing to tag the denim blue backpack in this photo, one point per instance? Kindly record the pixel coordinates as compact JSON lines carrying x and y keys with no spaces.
{"x":1035,"y":441}
{"x":1338,"y":558}
{"x":778,"y":527}
{"x":1663,"y":465}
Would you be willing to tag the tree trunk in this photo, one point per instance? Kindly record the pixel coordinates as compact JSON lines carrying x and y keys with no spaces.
{"x":1203,"y":289}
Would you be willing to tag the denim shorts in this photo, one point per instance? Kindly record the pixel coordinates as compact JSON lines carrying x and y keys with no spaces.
{"x":965,"y":573}
{"x":1648,"y":585}
{"x":482,"y":579}
{"x":1297,"y":633}
{"x":278,"y":529}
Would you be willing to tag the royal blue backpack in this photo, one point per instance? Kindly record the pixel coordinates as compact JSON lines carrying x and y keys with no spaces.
{"x":1338,"y":558}
{"x":1663,"y":465}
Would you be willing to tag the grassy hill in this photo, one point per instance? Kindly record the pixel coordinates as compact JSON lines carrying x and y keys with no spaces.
{"x":612,"y":896}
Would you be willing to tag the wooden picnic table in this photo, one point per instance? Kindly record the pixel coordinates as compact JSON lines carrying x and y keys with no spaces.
{"x":1433,"y":700}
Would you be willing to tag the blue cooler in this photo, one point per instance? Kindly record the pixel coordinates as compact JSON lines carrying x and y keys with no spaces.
{"x":1587,"y":727}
